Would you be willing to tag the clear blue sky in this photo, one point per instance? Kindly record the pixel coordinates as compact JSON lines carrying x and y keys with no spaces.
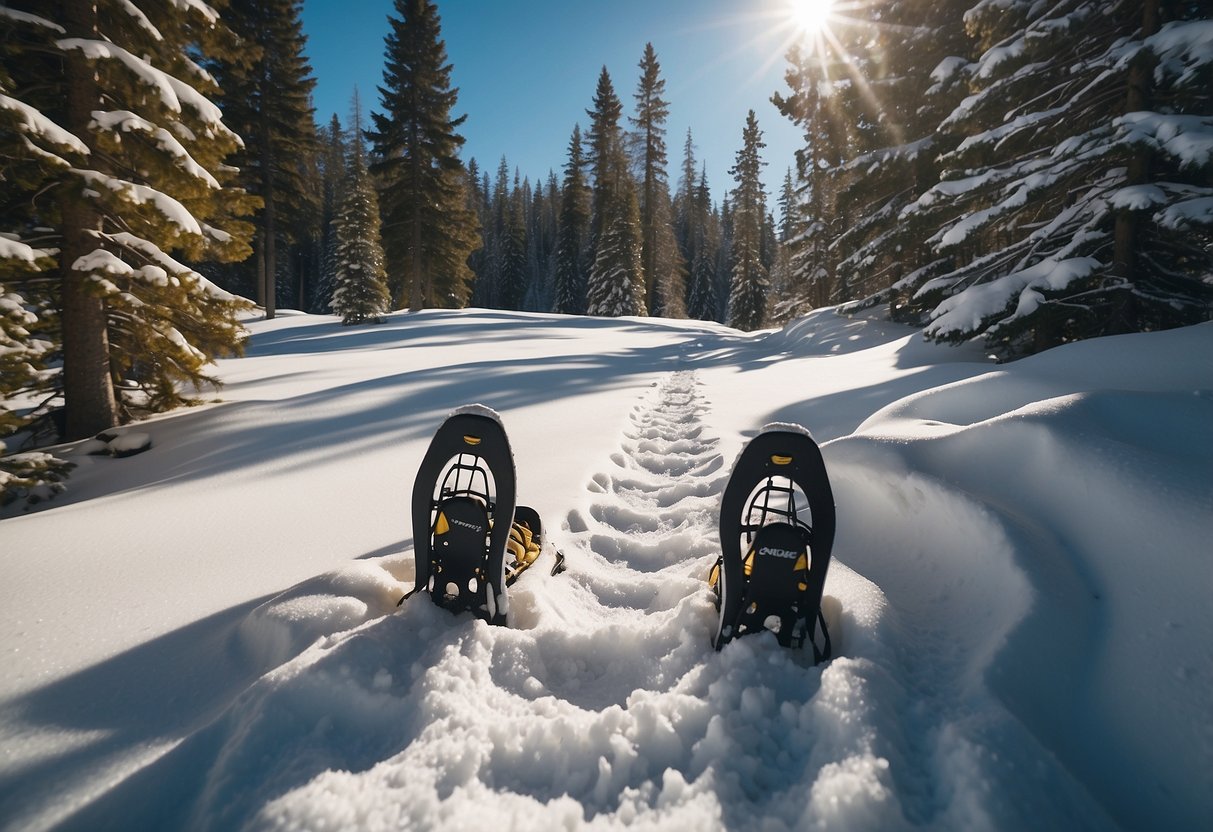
{"x":526,"y":72}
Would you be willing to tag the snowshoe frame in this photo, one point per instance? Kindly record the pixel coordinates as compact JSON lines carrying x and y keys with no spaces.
{"x":479,"y":482}
{"x":759,"y":504}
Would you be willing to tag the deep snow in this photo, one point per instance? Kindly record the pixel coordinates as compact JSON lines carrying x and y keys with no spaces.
{"x":205,"y":635}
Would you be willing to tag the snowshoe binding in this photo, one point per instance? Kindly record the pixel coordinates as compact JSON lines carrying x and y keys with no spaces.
{"x":777,"y":585}
{"x":479,"y":541}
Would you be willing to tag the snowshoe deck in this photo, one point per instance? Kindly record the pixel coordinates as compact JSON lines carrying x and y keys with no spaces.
{"x":777,"y":584}
{"x":463,"y":507}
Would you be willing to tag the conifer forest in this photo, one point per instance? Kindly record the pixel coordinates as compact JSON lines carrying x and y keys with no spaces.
{"x":1022,"y":173}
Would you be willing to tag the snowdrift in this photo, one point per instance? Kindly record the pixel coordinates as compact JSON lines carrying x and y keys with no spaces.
{"x":205,"y":636}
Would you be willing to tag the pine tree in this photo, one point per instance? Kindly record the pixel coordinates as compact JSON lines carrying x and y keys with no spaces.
{"x":747,"y":296}
{"x":333,"y":175}
{"x":652,"y":110}
{"x":615,"y":284}
{"x":541,"y":245}
{"x":361,"y":293}
{"x":23,"y":360}
{"x":428,"y":230}
{"x":704,"y":248}
{"x":513,"y":245}
{"x":114,"y":162}
{"x":724,"y":259}
{"x":1075,"y":205}
{"x":266,"y":99}
{"x":476,"y":205}
{"x":684,"y":199}
{"x":570,"y":275}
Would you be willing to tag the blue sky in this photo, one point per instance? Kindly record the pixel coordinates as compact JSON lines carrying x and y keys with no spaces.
{"x":526,"y":72}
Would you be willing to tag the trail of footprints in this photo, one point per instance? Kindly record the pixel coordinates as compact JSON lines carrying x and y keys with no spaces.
{"x":654,"y":511}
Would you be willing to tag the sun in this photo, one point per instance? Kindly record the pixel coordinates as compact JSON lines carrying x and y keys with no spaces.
{"x":810,"y":16}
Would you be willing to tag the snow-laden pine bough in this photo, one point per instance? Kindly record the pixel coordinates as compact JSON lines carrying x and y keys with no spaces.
{"x":777,"y":585}
{"x":479,"y":540}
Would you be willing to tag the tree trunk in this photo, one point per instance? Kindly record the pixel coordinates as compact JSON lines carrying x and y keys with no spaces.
{"x":416,"y":291}
{"x":88,"y":388}
{"x":271,"y":256}
{"x":1128,"y":223}
{"x":260,"y":290}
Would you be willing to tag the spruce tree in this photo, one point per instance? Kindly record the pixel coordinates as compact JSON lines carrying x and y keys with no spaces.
{"x":1076,"y":204}
{"x":333,"y":175}
{"x":652,"y":110}
{"x":115,"y":162}
{"x":704,"y":251}
{"x":428,"y":230}
{"x":361,"y":293}
{"x":513,"y":245}
{"x":570,"y":274}
{"x":615,"y":284}
{"x":266,"y":99}
{"x":747,"y":295}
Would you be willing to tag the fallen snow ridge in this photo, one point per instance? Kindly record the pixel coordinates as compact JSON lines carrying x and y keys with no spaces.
{"x":205,"y":635}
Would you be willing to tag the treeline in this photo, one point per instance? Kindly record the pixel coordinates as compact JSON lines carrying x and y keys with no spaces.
{"x":1025,"y":173}
{"x":610,"y":236}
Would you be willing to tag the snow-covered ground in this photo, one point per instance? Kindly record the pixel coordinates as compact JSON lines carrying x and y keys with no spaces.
{"x":205,"y":635}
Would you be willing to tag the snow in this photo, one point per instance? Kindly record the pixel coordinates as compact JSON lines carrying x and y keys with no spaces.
{"x":206,"y":636}
{"x":171,"y":91}
{"x":127,"y":121}
{"x":168,"y":207}
{"x":26,"y":17}
{"x":35,"y":123}
{"x":965,"y":311}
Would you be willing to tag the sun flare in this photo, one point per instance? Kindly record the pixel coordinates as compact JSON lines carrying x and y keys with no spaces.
{"x":810,"y":16}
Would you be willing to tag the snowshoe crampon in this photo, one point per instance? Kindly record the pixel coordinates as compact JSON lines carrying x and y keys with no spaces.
{"x":778,"y":510}
{"x":463,"y":511}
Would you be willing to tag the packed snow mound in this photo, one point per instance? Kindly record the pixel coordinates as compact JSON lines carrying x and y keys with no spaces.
{"x":1020,"y":561}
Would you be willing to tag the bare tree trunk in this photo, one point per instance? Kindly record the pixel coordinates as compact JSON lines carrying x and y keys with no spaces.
{"x":1128,"y":223}
{"x":416,"y":290}
{"x":271,"y":256}
{"x":260,"y":243}
{"x":88,"y":388}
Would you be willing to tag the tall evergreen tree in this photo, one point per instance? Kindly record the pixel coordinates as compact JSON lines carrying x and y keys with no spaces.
{"x":428,"y":230}
{"x":476,"y":204}
{"x":652,"y":110}
{"x":724,"y":259}
{"x":1077,"y":203}
{"x":570,"y":274}
{"x":266,"y":99}
{"x":114,"y":161}
{"x":747,"y":296}
{"x":615,"y":284}
{"x":333,"y":178}
{"x":684,"y":200}
{"x":513,"y":245}
{"x":361,"y":293}
{"x":704,"y":253}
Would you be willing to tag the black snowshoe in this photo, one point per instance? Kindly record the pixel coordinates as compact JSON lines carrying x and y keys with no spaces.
{"x":471,"y":540}
{"x":777,"y":585}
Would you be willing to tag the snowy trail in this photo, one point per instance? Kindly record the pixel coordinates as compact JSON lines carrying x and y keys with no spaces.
{"x":1019,"y":557}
